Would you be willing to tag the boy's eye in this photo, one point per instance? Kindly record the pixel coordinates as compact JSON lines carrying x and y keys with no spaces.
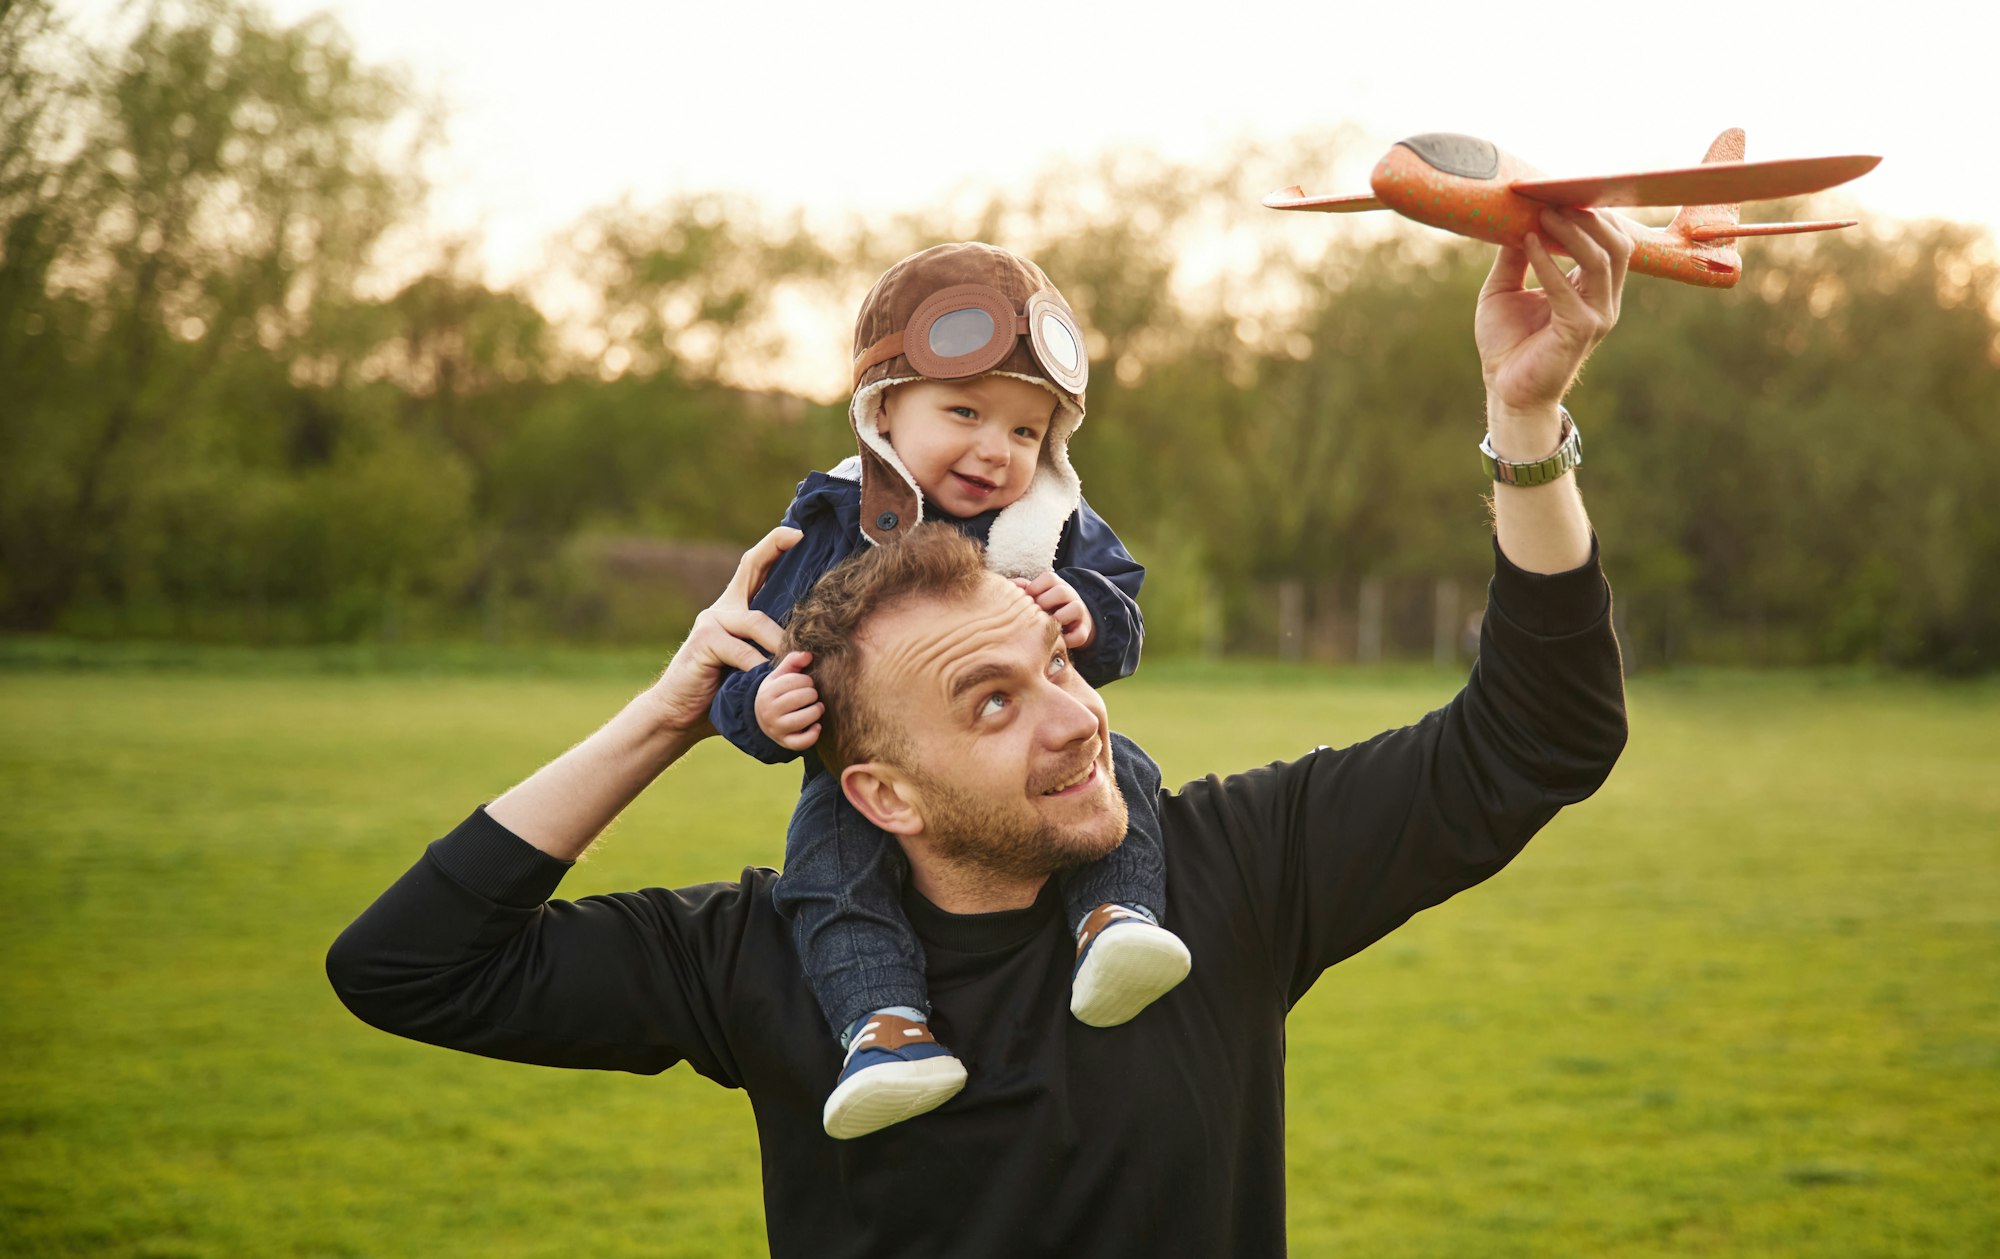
{"x":964,"y":413}
{"x":1028,"y":432}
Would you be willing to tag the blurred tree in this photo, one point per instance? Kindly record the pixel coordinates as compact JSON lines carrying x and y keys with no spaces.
{"x":222,"y":177}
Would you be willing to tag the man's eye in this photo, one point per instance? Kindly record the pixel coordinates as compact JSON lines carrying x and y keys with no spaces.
{"x":992,"y":704}
{"x":1057,"y":663}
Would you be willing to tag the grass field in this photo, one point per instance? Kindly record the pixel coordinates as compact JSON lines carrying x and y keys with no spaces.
{"x":1745,"y":1002}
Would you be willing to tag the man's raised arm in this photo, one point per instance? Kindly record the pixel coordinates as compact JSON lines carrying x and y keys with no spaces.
{"x":567,"y":803}
{"x":1340,"y":847}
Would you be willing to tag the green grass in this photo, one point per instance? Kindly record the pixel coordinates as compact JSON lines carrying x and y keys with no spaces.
{"x":1743,"y":1003}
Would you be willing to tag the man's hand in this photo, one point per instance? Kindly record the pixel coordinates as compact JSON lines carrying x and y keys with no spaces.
{"x":721,"y":640}
{"x":788,"y":707}
{"x":1531,"y":346}
{"x":1060,"y":600}
{"x":1533,"y":343}
{"x":564,"y":805}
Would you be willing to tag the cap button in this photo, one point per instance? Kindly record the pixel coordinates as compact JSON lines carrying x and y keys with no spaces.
{"x":886,"y":521}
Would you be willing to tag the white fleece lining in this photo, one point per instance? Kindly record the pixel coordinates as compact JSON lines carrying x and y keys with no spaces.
{"x":1023,"y":540}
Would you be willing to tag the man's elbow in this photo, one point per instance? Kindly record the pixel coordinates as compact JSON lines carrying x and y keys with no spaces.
{"x":355,"y":970}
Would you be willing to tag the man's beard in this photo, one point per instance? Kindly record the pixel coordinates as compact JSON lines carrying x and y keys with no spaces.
{"x":964,"y":831}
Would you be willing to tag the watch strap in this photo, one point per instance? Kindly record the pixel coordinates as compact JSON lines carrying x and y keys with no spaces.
{"x":1568,"y":454}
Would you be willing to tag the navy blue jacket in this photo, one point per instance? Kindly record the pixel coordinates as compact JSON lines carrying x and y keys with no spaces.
{"x":828,"y":510}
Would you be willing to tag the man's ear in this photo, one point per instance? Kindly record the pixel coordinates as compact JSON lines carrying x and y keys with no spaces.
{"x":884,"y":796}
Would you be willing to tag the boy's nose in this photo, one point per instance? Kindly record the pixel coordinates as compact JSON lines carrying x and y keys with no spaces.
{"x":992,"y":448}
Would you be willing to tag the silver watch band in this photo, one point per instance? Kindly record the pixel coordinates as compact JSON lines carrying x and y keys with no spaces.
{"x":1569,"y":453}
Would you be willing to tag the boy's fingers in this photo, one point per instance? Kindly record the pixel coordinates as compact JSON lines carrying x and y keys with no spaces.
{"x":795,"y":722}
{"x":802,"y":740}
{"x":794,"y":663}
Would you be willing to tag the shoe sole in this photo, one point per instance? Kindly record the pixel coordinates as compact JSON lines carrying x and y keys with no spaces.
{"x":863,"y":1105}
{"x":1120,"y":980}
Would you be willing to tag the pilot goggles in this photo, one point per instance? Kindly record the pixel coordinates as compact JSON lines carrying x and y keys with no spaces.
{"x":969,"y":328}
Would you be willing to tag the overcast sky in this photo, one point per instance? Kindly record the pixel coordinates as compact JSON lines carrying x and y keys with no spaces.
{"x":557,"y":107}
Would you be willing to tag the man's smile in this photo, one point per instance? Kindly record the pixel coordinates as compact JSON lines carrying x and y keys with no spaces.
{"x":1076,"y":782}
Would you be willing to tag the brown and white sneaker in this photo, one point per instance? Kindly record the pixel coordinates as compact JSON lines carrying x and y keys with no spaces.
{"x":1124,"y":962}
{"x":895,"y":1070}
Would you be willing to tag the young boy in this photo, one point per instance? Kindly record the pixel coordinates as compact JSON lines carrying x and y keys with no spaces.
{"x":969,"y":374}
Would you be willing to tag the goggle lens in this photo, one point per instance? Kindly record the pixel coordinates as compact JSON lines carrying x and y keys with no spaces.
{"x":960,"y":333}
{"x":1059,"y":345}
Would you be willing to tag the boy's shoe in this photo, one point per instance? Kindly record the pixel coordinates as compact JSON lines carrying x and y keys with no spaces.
{"x":895,"y":1069}
{"x":1123,"y":963}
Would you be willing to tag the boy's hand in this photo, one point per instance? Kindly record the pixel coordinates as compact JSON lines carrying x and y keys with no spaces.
{"x":1060,"y":600}
{"x":788,"y":707}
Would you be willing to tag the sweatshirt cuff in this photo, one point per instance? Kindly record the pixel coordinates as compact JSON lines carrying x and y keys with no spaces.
{"x":1551,"y":605}
{"x":486,"y":858}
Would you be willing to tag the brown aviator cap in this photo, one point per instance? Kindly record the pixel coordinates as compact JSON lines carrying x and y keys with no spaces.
{"x":949,"y":313}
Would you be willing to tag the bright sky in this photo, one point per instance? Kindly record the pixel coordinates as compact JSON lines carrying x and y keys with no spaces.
{"x":559,"y":107}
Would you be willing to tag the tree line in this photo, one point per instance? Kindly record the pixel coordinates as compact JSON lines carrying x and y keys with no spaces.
{"x":218,"y":421}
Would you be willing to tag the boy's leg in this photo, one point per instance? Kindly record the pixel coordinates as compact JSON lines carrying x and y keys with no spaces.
{"x":1125,"y":958}
{"x":841,"y":887}
{"x":842,"y":890}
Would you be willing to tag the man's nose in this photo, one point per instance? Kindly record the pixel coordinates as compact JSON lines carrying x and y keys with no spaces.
{"x":1068,"y":720}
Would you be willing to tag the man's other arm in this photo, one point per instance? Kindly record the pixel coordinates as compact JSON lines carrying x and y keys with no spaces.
{"x":464,"y":950}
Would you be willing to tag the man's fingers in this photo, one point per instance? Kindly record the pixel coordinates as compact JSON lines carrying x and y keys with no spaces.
{"x":1610,"y":234}
{"x":756,"y":565}
{"x":1509,"y":273}
{"x":1592,"y":279}
{"x":1565,"y":303}
{"x":747,"y":624}
{"x":724,"y":648}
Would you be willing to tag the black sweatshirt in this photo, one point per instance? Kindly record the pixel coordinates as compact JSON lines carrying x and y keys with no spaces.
{"x":1161,"y":1137}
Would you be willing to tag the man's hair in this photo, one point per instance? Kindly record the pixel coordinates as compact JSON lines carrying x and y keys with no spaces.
{"x":933,"y":561}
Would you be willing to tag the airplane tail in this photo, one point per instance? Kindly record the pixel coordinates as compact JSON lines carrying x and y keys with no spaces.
{"x":1712,"y":222}
{"x":1703,"y":224}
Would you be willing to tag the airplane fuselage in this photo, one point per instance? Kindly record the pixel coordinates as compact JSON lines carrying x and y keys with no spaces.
{"x":1461,"y":184}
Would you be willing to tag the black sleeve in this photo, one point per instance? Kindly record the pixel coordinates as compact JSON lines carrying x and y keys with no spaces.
{"x":1337,"y":849}
{"x":466,"y":951}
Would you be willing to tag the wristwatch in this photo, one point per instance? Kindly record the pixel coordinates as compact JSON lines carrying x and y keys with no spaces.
{"x":1569,"y":453}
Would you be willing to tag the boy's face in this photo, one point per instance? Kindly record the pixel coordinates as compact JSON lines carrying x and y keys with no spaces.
{"x":970,"y":444}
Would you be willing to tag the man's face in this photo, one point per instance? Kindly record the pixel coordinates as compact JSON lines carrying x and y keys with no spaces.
{"x":1007,"y":748}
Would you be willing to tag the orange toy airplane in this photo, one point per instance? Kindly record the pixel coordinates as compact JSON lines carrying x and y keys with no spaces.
{"x":1468,"y":186}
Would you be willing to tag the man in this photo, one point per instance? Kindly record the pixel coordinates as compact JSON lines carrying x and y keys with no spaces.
{"x":960,"y":729}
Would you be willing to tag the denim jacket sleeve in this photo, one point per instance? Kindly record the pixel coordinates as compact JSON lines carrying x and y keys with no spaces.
{"x":1096,"y":564}
{"x":734,"y":710}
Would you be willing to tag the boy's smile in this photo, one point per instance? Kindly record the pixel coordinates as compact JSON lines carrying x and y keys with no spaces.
{"x":971,"y":445}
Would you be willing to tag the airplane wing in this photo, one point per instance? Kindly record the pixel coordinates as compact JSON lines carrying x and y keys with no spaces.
{"x":1711,"y":183}
{"x":1295,"y":198}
